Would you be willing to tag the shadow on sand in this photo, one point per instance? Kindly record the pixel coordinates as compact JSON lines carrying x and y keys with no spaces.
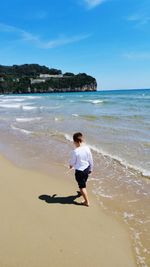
{"x":61,"y":200}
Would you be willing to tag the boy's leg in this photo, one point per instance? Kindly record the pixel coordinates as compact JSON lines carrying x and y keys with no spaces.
{"x":81,"y":178}
{"x":85,"y":196}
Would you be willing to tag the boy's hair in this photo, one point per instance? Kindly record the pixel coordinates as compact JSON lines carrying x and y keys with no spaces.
{"x":78,"y":137}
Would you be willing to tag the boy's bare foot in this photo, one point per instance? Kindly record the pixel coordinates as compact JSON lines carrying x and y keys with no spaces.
{"x":87,"y":204}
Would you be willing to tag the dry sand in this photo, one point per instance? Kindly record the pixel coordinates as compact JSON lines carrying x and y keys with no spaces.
{"x":44,"y":232}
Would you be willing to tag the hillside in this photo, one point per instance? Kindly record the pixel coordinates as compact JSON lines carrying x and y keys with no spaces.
{"x":33,"y":78}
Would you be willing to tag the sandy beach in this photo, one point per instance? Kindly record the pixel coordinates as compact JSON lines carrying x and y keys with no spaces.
{"x":40,"y":230}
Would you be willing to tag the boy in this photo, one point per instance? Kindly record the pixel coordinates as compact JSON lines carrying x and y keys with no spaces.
{"x":82,"y":162}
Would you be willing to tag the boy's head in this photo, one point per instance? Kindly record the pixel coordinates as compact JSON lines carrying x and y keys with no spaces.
{"x":78,"y":138}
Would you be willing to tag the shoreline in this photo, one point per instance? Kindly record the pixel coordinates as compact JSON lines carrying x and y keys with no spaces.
{"x":38,"y":231}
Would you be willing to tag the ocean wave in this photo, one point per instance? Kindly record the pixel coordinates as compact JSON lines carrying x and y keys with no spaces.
{"x":110,"y":117}
{"x":94,"y":101}
{"x":17,"y":105}
{"x":59,"y":136}
{"x":53,"y":107}
{"x":75,"y":115}
{"x":27,"y":119}
{"x":102,"y":194}
{"x":141,"y":97}
{"x":95,"y":117}
{"x":133,"y":117}
{"x":68,"y":137}
{"x":121,"y":161}
{"x":28,"y":107}
{"x":31,"y":97}
{"x":58,"y":118}
{"x":21,"y":130}
{"x":10,"y":105}
{"x":87,"y":117}
{"x":10,"y":100}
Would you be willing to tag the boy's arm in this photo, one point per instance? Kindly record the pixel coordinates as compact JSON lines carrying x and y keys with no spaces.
{"x":72,"y":160}
{"x":91,"y":161}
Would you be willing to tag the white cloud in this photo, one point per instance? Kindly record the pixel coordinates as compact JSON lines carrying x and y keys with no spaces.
{"x":7,"y":28}
{"x":24,"y":35}
{"x":141,"y":15}
{"x":63,"y":41}
{"x":137,"y":55}
{"x":37,"y":41}
{"x":140,"y":19}
{"x":93,"y":3}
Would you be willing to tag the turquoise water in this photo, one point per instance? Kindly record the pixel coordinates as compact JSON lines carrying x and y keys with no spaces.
{"x":115,"y":122}
{"x":35,"y":128}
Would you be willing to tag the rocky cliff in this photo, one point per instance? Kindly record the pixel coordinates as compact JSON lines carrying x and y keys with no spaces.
{"x":33,"y":78}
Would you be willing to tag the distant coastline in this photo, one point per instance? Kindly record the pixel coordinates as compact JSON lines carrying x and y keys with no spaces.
{"x":123,"y":89}
{"x":33,"y":78}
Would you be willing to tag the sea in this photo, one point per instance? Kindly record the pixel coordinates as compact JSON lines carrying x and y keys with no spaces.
{"x":36,"y":129}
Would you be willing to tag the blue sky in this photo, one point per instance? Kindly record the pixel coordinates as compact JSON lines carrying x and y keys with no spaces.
{"x":109,"y":39}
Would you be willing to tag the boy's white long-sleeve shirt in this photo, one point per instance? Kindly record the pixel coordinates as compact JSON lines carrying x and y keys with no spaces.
{"x":81,"y":158}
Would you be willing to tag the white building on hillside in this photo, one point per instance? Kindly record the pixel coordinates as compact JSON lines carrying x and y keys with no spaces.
{"x":45,"y":76}
{"x":37,"y":81}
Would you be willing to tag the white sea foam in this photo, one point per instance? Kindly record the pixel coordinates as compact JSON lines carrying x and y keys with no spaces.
{"x":21,"y":130}
{"x":127,"y":215}
{"x":18,"y":99}
{"x":97,"y":101}
{"x":68,"y":137}
{"x":75,"y":115}
{"x":31,"y":97}
{"x":133,"y":201}
{"x":10,"y":105}
{"x":94,"y":101}
{"x":27,"y":119}
{"x":93,"y":179}
{"x":28,"y":107}
{"x":104,"y":195}
{"x":120,"y":160}
{"x":12,"y":100}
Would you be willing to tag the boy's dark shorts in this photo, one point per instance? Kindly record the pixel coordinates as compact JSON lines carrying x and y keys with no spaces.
{"x":81,"y":177}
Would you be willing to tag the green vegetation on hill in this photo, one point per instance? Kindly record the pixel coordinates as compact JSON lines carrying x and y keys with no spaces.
{"x":27,"y":70}
{"x":33,"y":78}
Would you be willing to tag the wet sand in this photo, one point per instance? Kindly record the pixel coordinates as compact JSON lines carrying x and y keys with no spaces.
{"x":43,"y":224}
